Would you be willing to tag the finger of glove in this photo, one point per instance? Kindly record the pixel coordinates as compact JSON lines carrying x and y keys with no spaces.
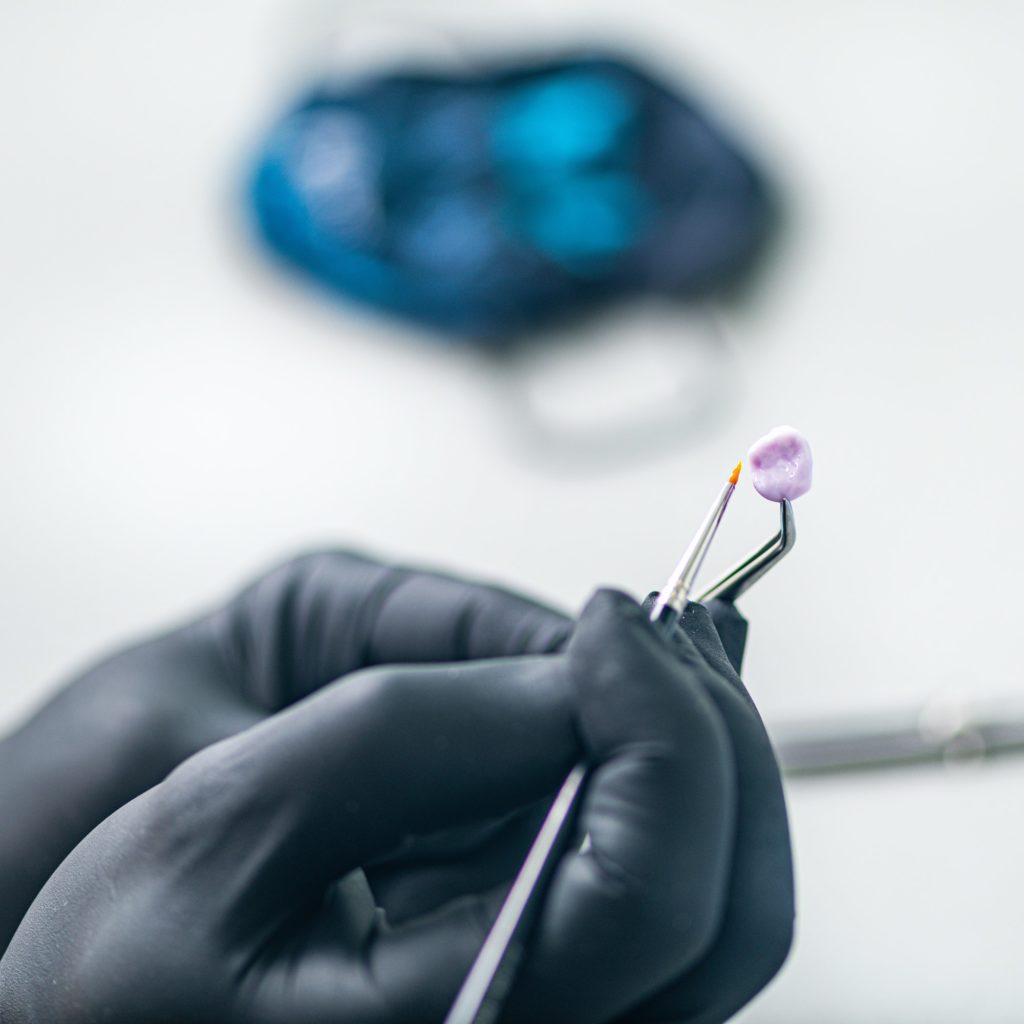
{"x":323,"y":615}
{"x":730,"y":626}
{"x":757,"y":923}
{"x":263,"y":822}
{"x":644,"y":900}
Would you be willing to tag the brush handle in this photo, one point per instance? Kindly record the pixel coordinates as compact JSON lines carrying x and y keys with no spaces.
{"x":483,"y":992}
{"x":675,"y":595}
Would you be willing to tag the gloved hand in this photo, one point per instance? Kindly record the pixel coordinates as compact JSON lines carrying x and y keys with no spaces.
{"x":212,"y":897}
{"x":124,"y":724}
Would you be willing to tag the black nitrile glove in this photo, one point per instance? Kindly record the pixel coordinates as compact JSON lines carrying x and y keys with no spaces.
{"x":213,"y":897}
{"x":124,"y":724}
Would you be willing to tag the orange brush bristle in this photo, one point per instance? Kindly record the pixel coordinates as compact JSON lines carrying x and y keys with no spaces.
{"x":735,"y":474}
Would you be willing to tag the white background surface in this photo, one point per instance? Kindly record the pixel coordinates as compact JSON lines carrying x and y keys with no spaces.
{"x":176,"y":414}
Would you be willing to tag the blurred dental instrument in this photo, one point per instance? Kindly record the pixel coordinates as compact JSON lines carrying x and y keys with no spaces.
{"x":947,"y":729}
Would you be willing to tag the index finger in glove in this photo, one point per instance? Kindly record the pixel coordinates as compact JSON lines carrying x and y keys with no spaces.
{"x":329,"y":613}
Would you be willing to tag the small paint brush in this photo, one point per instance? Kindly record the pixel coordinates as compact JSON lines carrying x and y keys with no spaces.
{"x":675,"y":595}
{"x":483,"y":991}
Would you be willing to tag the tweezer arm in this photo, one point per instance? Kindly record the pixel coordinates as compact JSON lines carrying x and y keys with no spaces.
{"x":744,"y":575}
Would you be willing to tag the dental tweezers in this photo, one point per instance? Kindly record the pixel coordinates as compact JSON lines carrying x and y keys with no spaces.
{"x":742,"y":576}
